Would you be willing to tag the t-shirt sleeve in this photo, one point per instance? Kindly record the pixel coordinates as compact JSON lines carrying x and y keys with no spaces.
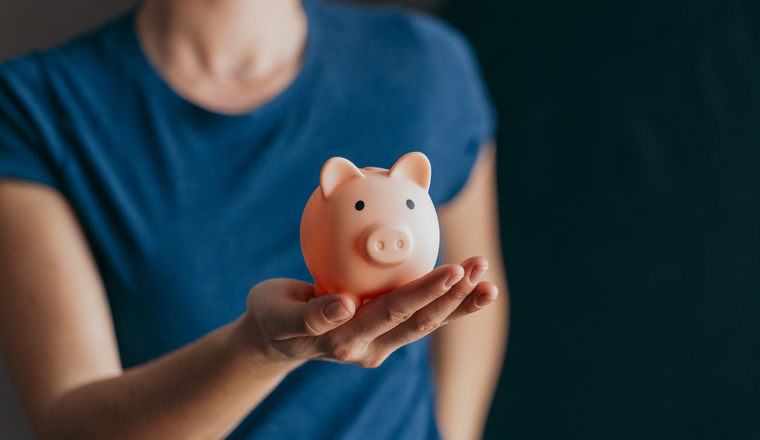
{"x":484,"y":112}
{"x":470,"y":114}
{"x":23,"y":153}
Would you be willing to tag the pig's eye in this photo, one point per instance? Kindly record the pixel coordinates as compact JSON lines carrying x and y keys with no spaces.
{"x":410,"y":204}
{"x":360,"y":205}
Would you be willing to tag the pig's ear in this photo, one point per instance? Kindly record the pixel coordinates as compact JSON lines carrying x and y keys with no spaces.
{"x":414,"y":166}
{"x":336,"y":171}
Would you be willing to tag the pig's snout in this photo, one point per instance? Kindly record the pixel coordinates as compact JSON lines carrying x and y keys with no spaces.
{"x":388,"y":244}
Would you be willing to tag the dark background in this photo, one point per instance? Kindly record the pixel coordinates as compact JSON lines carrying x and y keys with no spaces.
{"x":629,"y":186}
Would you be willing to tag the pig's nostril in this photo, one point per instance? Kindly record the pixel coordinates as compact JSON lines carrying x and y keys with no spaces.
{"x":387,"y":244}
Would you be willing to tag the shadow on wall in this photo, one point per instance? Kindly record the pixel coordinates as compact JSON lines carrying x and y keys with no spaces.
{"x":36,"y":24}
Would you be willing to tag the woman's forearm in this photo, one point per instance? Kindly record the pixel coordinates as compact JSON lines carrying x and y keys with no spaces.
{"x":200,"y":391}
{"x":468,"y":356}
{"x":58,"y":341}
{"x":468,"y":353}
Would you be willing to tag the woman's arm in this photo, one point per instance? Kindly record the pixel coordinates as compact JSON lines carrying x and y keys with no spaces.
{"x":58,"y":341}
{"x":468,"y":353}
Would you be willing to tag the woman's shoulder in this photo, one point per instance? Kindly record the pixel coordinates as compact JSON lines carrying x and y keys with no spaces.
{"x":38,"y":89}
{"x":394,"y":34}
{"x":20,"y":70}
{"x":374,"y":18}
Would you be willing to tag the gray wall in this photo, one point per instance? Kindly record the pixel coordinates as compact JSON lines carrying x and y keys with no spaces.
{"x":35,"y":24}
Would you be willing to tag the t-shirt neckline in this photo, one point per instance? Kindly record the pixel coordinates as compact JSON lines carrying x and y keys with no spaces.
{"x":149,"y":73}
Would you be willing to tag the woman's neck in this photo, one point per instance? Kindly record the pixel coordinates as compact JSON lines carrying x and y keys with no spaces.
{"x":242,"y":49}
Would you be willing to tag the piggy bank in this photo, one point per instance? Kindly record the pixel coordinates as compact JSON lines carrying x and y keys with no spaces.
{"x":367,"y":231}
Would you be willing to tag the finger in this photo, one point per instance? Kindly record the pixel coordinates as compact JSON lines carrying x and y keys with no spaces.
{"x":484,"y":294}
{"x":395,"y":307}
{"x":275,"y":290}
{"x":283,"y":314}
{"x":432,"y":316}
{"x":434,"y":313}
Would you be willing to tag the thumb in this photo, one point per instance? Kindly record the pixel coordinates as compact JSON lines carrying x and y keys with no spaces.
{"x":291,"y":319}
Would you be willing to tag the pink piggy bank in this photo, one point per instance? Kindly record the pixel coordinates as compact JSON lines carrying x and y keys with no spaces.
{"x":366,"y":232}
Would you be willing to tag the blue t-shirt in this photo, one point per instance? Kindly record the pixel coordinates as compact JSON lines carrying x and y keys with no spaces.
{"x":186,"y":209}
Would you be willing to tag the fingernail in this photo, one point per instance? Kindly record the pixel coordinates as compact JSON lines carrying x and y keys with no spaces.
{"x":477,"y":273}
{"x":484,"y":300}
{"x":453,"y":280}
{"x":335,"y":311}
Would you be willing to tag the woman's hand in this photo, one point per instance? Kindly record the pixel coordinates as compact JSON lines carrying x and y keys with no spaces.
{"x":289,"y":323}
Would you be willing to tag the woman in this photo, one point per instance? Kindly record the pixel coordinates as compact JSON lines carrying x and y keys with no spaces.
{"x":156,"y":169}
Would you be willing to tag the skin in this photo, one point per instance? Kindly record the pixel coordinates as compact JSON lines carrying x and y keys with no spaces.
{"x":468,"y":353}
{"x":57,"y":336}
{"x":56,"y":330}
{"x":197,"y":46}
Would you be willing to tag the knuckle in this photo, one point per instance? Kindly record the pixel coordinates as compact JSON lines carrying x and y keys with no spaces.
{"x":396,"y":316}
{"x":372,"y":362}
{"x":342,"y":351}
{"x":345,"y":354}
{"x":425,"y":324}
{"x":460,"y":294}
{"x":308,"y":327}
{"x":472,"y":308}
